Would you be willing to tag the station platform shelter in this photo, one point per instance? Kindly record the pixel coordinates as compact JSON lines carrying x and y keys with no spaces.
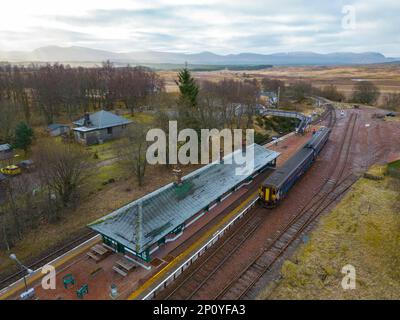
{"x":141,"y":227}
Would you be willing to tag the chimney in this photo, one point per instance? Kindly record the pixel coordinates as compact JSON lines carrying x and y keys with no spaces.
{"x":86,"y":121}
{"x":178,"y":174}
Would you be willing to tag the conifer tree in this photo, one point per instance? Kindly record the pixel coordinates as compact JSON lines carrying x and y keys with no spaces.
{"x":188,"y":88}
{"x":23,"y":136}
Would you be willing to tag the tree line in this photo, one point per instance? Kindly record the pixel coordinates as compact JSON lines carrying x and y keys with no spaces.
{"x":364,"y":92}
{"x":46,"y":92}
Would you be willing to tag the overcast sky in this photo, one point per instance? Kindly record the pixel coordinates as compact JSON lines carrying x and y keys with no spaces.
{"x":220,"y":26}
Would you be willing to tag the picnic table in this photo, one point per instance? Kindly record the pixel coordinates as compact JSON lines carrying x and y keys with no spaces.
{"x":123,"y":266}
{"x":100,"y":250}
{"x":126,"y":264}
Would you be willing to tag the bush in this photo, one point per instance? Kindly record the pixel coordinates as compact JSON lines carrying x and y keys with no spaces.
{"x":365,"y":92}
{"x":261,"y":138}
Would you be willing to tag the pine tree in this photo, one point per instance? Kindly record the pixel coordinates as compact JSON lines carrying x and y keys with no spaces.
{"x":23,"y":136}
{"x":187,"y":87}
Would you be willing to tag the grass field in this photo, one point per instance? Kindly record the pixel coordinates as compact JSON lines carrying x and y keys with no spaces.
{"x":364,"y":231}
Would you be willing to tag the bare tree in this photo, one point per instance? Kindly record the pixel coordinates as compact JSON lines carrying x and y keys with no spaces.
{"x":365,"y":92}
{"x":300,"y":90}
{"x":62,"y":170}
{"x":132,"y":151}
{"x":18,"y":211}
{"x":8,"y":120}
{"x":392,"y":101}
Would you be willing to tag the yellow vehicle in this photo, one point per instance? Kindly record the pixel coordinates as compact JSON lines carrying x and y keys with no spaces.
{"x":12,"y":170}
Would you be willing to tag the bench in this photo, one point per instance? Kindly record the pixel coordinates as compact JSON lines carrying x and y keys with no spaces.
{"x":99,"y":249}
{"x":121,"y":272}
{"x":107,"y":247}
{"x":93,"y":256}
{"x":69,"y":279}
{"x":126,"y":264}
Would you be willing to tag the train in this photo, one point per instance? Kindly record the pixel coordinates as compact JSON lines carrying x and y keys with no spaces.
{"x":274,"y":189}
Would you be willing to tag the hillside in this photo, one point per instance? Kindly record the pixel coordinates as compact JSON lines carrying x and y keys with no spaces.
{"x":82,"y":54}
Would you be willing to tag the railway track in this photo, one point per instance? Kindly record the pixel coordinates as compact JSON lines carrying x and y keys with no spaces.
{"x":240,"y":286}
{"x":47,"y":258}
{"x":206,"y":267}
{"x":251,"y":189}
{"x":195,"y":279}
{"x":334,"y":187}
{"x":337,"y":170}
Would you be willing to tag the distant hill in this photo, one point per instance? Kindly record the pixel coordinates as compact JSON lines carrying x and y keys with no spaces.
{"x":81,"y":54}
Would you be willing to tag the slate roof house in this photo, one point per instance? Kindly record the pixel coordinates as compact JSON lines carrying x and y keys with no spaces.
{"x":99,"y":127}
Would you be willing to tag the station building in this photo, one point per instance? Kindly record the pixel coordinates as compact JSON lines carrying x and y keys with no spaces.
{"x":142,"y":226}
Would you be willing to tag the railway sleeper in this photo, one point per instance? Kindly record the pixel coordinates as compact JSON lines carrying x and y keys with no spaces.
{"x":286,"y":238}
{"x":243,"y":282}
{"x":280,"y":244}
{"x":259,"y":265}
{"x":268,"y":257}
{"x":291,"y":232}
{"x":274,"y":251}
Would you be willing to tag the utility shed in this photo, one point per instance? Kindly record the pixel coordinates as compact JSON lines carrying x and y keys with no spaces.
{"x":143,"y":225}
{"x":6,"y":151}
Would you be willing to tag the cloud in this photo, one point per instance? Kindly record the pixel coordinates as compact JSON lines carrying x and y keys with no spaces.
{"x":222,"y":26}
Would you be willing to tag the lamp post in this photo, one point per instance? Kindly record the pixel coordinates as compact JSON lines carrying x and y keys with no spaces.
{"x":29,"y":271}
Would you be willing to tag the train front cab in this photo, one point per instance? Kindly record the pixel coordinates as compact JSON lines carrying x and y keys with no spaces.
{"x":268,"y":196}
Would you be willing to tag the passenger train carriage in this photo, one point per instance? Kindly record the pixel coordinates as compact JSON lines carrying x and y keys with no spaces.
{"x":277,"y":185}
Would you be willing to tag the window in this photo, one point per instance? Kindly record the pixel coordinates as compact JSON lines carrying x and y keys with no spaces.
{"x":81,"y":135}
{"x":109,"y":130}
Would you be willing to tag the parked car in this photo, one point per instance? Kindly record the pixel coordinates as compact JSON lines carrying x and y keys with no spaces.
{"x":390,"y":114}
{"x":11,"y":170}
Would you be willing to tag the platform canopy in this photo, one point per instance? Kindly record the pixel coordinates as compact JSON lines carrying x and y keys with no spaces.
{"x":145,"y":221}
